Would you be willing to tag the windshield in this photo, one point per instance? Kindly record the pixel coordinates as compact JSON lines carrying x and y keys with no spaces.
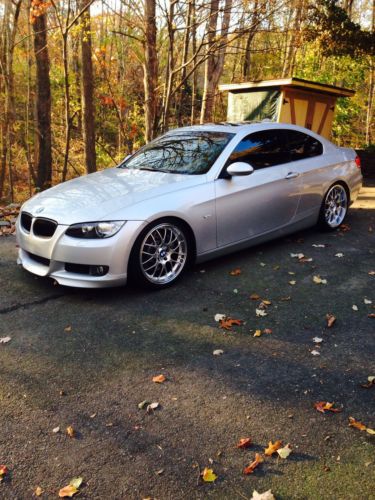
{"x":190,"y":152}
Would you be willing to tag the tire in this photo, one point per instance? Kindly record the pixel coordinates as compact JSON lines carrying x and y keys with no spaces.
{"x":334,"y":207}
{"x":160,"y":255}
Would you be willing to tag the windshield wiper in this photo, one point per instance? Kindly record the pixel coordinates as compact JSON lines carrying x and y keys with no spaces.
{"x":165,"y":171}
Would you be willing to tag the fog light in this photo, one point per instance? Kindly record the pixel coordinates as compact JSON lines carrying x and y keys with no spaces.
{"x":98,"y":270}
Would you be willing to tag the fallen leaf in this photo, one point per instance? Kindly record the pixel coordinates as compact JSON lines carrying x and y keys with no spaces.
{"x":38,"y":491}
{"x":292,"y":273}
{"x":317,"y":340}
{"x":367,"y":301}
{"x":267,"y":331}
{"x":305,"y":259}
{"x":330,"y":320}
{"x":68,"y":491}
{"x":344,"y":228}
{"x":219,"y":317}
{"x":70,"y":431}
{"x":356,"y":424}
{"x":323,"y":406}
{"x":319,"y":281}
{"x":244,"y":443}
{"x":371,"y":315}
{"x":257,"y":333}
{"x":370,"y":431}
{"x":3,"y":472}
{"x":68,"y":329}
{"x":227,"y":323}
{"x":143,"y":404}
{"x":235,"y":290}
{"x":319,"y":245}
{"x":5,"y":340}
{"x":339,"y":255}
{"x":272,"y":448}
{"x":250,"y":468}
{"x":297,"y":255}
{"x":260,"y":312}
{"x":370,"y":382}
{"x":284,"y":452}
{"x":235,"y":272}
{"x":262,"y":264}
{"x":354,"y":307}
{"x":218,"y":352}
{"x":254,"y":296}
{"x":371,"y":273}
{"x":314,"y":352}
{"x":76,"y":482}
{"x":267,"y":495}
{"x":55,"y":430}
{"x":285,"y":299}
{"x":293,"y":282}
{"x":159,"y":379}
{"x":152,"y":406}
{"x":208,"y":475}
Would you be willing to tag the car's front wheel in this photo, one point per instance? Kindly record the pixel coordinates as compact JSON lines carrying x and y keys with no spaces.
{"x":160,"y":255}
{"x":334,"y":207}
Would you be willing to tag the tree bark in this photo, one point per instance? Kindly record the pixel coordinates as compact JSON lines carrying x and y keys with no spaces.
{"x":43,"y":104}
{"x":150,"y":70}
{"x":87,"y":92}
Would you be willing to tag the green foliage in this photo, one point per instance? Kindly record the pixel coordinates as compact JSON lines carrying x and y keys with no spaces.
{"x":336,"y":33}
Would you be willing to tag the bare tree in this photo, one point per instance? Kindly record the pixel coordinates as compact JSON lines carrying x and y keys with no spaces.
{"x":87,"y":88}
{"x":10,"y":21}
{"x":150,"y":70}
{"x":43,"y":149}
{"x":215,"y":60}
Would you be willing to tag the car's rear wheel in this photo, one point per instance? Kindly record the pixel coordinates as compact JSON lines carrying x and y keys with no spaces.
{"x":334,"y":207}
{"x":160,"y":255}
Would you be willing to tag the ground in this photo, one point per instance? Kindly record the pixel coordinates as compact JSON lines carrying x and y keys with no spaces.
{"x":86,"y":359}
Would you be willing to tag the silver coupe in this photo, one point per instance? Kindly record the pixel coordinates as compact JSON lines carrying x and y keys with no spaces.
{"x":188,"y":196}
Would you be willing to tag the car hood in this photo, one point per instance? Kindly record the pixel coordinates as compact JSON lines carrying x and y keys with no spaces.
{"x":93,"y":197}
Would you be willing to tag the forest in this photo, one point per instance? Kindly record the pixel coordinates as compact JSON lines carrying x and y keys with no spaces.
{"x":83,"y":83}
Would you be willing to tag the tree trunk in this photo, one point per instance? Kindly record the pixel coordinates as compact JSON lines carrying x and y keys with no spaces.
{"x":150,"y":70}
{"x":43,"y":104}
{"x":87,"y":96}
{"x":170,"y":67}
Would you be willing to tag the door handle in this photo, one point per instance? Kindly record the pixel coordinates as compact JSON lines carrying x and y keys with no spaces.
{"x":291,"y":175}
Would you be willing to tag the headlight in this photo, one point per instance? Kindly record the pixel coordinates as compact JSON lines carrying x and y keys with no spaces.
{"x":95,"y":230}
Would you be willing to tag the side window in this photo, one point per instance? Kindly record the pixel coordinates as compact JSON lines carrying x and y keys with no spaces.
{"x":261,"y":149}
{"x":301,"y":146}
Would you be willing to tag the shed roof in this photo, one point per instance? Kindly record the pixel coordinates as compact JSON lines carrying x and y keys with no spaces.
{"x":291,"y":83}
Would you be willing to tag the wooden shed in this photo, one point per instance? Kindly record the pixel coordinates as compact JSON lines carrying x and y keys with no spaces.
{"x":290,"y":100}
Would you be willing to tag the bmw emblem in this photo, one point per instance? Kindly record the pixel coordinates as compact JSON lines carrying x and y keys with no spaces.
{"x":39,"y":210}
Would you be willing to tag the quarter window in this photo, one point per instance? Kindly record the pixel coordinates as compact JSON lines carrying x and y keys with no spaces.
{"x":301,"y":146}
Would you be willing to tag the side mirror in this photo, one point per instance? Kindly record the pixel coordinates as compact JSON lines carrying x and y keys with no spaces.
{"x":240,"y":168}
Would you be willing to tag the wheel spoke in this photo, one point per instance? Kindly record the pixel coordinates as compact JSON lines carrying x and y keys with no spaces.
{"x":335,"y":206}
{"x":163,"y":254}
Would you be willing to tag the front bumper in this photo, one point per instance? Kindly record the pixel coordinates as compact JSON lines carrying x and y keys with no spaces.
{"x":49,"y":256}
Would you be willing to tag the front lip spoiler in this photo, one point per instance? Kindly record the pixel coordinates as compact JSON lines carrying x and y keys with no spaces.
{"x":66,"y":278}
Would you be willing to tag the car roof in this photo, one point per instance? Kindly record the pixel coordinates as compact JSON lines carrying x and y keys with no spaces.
{"x":240,"y":127}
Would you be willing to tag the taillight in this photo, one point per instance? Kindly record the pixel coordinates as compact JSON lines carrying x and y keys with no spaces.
{"x":358,"y":161}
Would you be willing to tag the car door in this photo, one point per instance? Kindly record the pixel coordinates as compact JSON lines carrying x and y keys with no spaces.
{"x":267,"y":199}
